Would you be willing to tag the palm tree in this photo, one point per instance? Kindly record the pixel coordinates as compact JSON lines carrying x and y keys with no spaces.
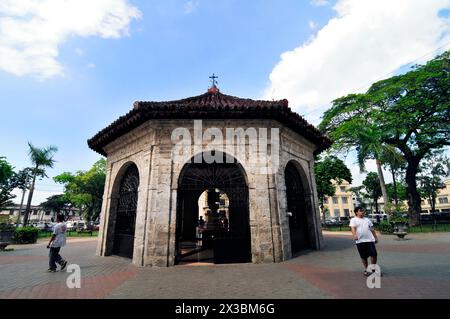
{"x":370,"y":147}
{"x":41,"y":158}
{"x":23,"y":180}
{"x":395,"y":161}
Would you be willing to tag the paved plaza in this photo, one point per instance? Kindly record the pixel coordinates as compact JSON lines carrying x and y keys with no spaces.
{"x":418,"y":267}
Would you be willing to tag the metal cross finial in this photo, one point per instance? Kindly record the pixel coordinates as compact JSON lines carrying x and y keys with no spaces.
{"x":213,"y":78}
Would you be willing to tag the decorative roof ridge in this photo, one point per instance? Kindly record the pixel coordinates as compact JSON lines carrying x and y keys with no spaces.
{"x":209,"y":97}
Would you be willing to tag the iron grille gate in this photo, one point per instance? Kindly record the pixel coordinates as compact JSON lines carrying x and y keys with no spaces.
{"x":126,"y":213}
{"x":298,"y":224}
{"x":233,"y":245}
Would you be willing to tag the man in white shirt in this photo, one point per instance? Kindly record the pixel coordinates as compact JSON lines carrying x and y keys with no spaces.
{"x":57,"y":241}
{"x":365,"y":237}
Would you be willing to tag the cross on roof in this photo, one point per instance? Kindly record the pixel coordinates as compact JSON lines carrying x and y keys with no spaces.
{"x":213,"y":78}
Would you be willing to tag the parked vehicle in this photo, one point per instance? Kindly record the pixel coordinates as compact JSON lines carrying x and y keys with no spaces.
{"x":331,"y":221}
{"x":70,"y":226}
{"x":426,"y":218}
{"x":442,"y":217}
{"x":81,"y":225}
{"x":344,"y":220}
{"x":44,"y":226}
{"x":377,"y":218}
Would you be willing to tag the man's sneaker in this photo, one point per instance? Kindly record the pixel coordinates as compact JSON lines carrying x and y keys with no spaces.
{"x":51,"y":270}
{"x":64,"y":264}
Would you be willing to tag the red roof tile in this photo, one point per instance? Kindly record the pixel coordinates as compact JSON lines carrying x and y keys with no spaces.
{"x":211,"y":105}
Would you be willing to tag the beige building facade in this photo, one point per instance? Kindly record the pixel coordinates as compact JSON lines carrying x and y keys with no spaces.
{"x":341,"y":204}
{"x":442,"y":200}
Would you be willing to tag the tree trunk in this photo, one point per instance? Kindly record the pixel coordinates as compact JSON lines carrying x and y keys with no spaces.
{"x":433,"y":204}
{"x":382,"y":184}
{"x":376,"y":205}
{"x":322,"y":207}
{"x":20,"y":208}
{"x":30,"y":197}
{"x":414,"y":207}
{"x":394,"y":182}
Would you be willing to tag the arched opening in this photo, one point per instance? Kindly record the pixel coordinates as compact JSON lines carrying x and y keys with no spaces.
{"x":125,"y":216}
{"x":218,"y":193}
{"x":299,"y":228}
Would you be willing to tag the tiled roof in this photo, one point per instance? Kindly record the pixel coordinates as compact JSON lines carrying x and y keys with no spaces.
{"x":211,"y":105}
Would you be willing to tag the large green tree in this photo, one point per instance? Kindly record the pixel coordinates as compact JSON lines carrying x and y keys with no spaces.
{"x":432,"y":170}
{"x":85,"y":189}
{"x":410,"y":112}
{"x":326,"y":171}
{"x":57,"y":204}
{"x":41,"y":158}
{"x":7,"y":183}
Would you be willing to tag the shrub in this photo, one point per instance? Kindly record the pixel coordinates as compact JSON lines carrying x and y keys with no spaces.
{"x":4,"y":219}
{"x":6,"y":227}
{"x":385,"y":227}
{"x":399,"y":218}
{"x":25,"y":235}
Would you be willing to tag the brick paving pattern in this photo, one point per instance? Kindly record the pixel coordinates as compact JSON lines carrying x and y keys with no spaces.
{"x":414,"y":268}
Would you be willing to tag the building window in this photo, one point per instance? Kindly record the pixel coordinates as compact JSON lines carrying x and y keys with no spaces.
{"x":443,"y":200}
{"x":335,"y":200}
{"x":337,"y":212}
{"x":344,"y":200}
{"x":343,"y":189}
{"x":47,"y":213}
{"x":35,"y":212}
{"x":346,"y":212}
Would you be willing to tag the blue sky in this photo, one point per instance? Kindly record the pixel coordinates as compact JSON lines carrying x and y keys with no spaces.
{"x":163,"y":50}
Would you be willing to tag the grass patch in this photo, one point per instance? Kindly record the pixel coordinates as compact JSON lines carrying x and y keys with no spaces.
{"x":414,"y":229}
{"x":69,"y":234}
{"x":337,"y":228}
{"x":429,"y":228}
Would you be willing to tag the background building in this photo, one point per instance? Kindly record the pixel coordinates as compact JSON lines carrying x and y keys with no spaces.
{"x":341,"y":204}
{"x":442,"y":200}
{"x":37,"y":213}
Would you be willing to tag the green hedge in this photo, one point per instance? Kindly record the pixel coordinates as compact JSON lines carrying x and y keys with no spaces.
{"x":385,"y":227}
{"x":25,"y":235}
{"x":6,"y":227}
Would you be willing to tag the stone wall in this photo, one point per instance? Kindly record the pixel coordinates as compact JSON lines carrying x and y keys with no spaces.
{"x":150,"y":147}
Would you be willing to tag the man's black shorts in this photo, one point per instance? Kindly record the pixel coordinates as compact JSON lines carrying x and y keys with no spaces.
{"x":367,"y":250}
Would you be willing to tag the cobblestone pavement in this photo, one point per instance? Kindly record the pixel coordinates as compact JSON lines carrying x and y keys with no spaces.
{"x":418,"y":267}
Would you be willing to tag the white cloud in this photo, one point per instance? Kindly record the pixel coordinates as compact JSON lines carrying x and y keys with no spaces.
{"x":32,"y":30}
{"x":364,"y":42}
{"x":312,"y":24}
{"x":191,"y":6}
{"x":91,"y":66}
{"x":319,"y":3}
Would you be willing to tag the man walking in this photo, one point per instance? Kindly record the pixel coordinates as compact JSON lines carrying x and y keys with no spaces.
{"x":365,"y":237}
{"x":57,"y":241}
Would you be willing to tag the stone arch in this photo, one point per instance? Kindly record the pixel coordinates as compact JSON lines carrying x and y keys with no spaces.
{"x":300,"y":208}
{"x":123,"y":210}
{"x":230,"y":245}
